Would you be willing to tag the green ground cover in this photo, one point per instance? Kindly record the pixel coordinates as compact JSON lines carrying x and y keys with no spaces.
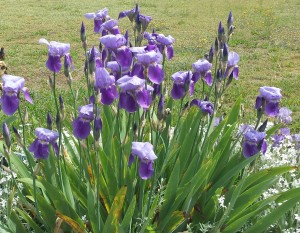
{"x":266,"y":37}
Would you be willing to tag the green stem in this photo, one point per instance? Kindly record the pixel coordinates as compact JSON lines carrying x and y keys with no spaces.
{"x":30,"y":165}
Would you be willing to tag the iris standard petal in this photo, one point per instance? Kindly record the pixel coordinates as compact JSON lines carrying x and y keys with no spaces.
{"x":81,"y":128}
{"x":146,"y":170}
{"x":156,"y":73}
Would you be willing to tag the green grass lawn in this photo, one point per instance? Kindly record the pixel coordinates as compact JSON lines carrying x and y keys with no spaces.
{"x":266,"y":37}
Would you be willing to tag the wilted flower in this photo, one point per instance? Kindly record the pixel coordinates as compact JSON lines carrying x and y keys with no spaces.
{"x":55,"y":51}
{"x":40,"y":146}
{"x":254,"y":142}
{"x":268,"y":100}
{"x":99,"y":18}
{"x":182,"y":84}
{"x":144,"y":152}
{"x":205,"y":106}
{"x":82,"y":124}
{"x":133,"y":93}
{"x":202,"y":69}
{"x":106,"y":84}
{"x":12,"y":86}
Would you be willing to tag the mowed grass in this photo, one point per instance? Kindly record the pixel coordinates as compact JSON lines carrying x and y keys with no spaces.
{"x":266,"y":37}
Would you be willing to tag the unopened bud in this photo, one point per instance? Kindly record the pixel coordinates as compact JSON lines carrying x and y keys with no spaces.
{"x":6,"y":135}
{"x":229,"y":20}
{"x":18,"y":137}
{"x":25,"y":117}
{"x":49,"y":121}
{"x":160,"y":107}
{"x":51,"y":83}
{"x":211,"y":54}
{"x":6,"y":154}
{"x":82,"y":33}
{"x":58,"y":121}
{"x":68,"y":65}
{"x":97,"y":127}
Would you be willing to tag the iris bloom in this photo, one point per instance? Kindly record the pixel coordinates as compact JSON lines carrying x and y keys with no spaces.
{"x":113,"y":41}
{"x":254,"y":142}
{"x":182,"y":83}
{"x":12,"y":86}
{"x":106,"y":84}
{"x":205,"y":106}
{"x":82,"y":124}
{"x":133,"y":93}
{"x":56,"y":50}
{"x":202,"y":69}
{"x":269,"y":100}
{"x":284,"y":115}
{"x":232,"y":67}
{"x":150,"y":60}
{"x":99,"y":18}
{"x":166,"y":43}
{"x":111,"y":26}
{"x":144,"y":152}
{"x":44,"y":138}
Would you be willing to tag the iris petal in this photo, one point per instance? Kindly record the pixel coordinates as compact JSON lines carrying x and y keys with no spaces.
{"x":177,"y":91}
{"x":81,"y":128}
{"x":156,"y":73}
{"x":53,"y":63}
{"x":10,"y":103}
{"x":143,"y":98}
{"x":146,"y":170}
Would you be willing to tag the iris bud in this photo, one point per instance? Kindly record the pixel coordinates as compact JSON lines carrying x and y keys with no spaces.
{"x":6,"y":135}
{"x":49,"y":121}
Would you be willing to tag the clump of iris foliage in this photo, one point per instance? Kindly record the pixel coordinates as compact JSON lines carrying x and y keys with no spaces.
{"x":133,"y":156}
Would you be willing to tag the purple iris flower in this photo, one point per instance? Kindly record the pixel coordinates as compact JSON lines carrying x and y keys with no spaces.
{"x":150,"y":60}
{"x":40,"y":146}
{"x":232,"y":67}
{"x":82,"y":124}
{"x":279,"y":137}
{"x":134,"y":94}
{"x":202,"y":69}
{"x":111,"y":26}
{"x":269,"y":100}
{"x":284,"y":115}
{"x":106,"y":84}
{"x":12,"y":86}
{"x":205,"y":106}
{"x":144,"y":152}
{"x":166,"y":43}
{"x":182,"y":83}
{"x":99,"y":18}
{"x":124,"y":58}
{"x":55,"y":51}
{"x":113,"y":41}
{"x":254,"y":142}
